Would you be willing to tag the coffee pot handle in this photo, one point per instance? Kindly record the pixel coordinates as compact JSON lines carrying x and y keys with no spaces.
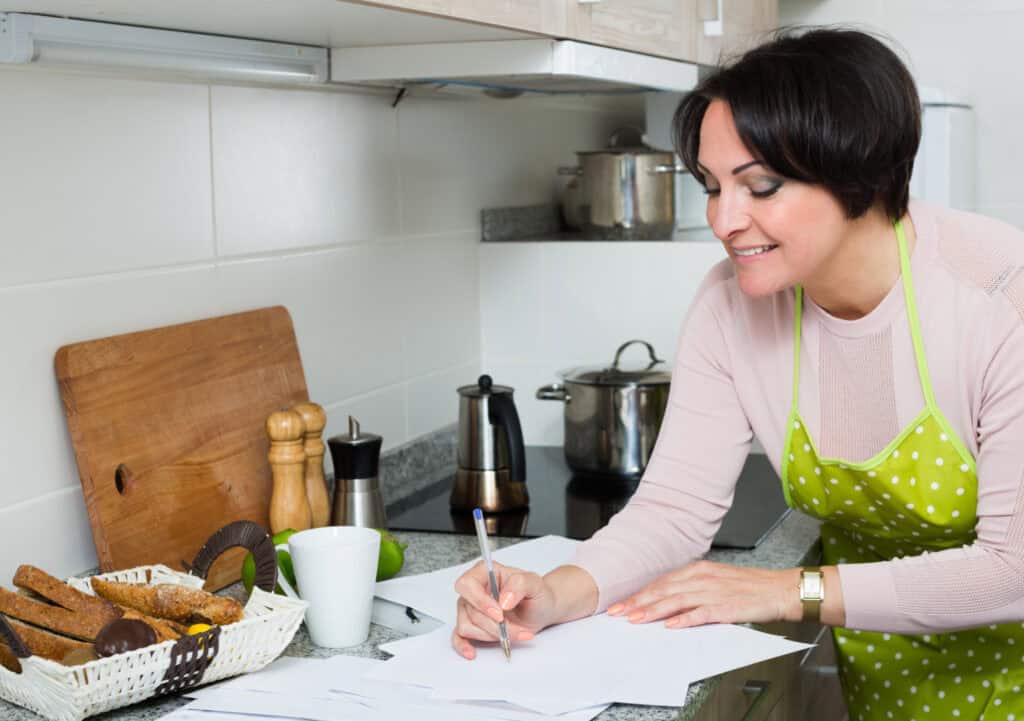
{"x":502,"y":413}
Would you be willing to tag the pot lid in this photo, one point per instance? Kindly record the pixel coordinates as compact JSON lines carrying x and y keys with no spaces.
{"x":626,"y":140}
{"x":651,"y":372}
{"x":484,"y":387}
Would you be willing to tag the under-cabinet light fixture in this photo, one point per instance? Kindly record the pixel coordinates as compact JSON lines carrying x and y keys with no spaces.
{"x":58,"y":41}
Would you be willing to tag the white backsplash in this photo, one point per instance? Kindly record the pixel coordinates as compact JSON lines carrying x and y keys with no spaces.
{"x":548,"y":306}
{"x":135,"y":203}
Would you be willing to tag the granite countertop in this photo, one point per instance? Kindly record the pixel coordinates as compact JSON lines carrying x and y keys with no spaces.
{"x":792,"y":543}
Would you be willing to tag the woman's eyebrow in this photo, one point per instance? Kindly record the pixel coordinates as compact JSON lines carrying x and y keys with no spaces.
{"x":737,"y":169}
{"x":741,"y":168}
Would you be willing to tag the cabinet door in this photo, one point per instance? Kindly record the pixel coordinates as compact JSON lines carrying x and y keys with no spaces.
{"x":745,"y":23}
{"x":657,"y":27}
{"x":821,"y":694}
{"x":753,"y":693}
{"x":544,"y":17}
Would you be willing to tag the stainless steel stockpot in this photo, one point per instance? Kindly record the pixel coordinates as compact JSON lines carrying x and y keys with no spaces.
{"x":612,"y":413}
{"x":626,"y":191}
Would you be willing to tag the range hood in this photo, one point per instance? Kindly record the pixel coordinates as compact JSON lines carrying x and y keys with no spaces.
{"x":506,"y":68}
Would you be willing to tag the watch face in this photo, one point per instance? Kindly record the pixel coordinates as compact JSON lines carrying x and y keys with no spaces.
{"x":811,"y":586}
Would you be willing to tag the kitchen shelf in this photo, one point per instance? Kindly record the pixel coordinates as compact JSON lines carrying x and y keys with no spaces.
{"x":543,"y":224}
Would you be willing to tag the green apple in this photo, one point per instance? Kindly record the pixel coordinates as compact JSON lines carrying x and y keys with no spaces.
{"x":284,"y":564}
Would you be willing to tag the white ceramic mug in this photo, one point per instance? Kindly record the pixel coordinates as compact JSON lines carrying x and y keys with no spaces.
{"x":335,"y":569}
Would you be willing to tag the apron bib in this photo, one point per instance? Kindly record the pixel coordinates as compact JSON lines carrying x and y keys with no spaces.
{"x":919,"y":494}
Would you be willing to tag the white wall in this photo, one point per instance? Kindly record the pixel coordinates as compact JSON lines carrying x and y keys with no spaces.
{"x":548,"y":306}
{"x":134,"y":203}
{"x":964,"y":48}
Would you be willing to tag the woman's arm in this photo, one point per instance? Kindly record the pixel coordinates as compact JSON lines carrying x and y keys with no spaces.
{"x":689,"y":482}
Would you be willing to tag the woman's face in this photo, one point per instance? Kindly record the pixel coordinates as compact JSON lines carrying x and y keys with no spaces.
{"x":777,"y":231}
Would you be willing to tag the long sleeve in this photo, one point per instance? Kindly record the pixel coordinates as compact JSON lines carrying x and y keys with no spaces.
{"x":688,"y":484}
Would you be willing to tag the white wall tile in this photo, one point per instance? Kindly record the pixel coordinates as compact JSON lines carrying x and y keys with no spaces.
{"x":382,"y":412}
{"x":356,"y":346}
{"x":433,"y":400}
{"x":459,"y":156}
{"x":298,"y":168}
{"x":51,"y":532}
{"x":511,"y":300}
{"x":101,"y":175}
{"x":39,"y":319}
{"x":439,"y":303}
{"x":599,"y":295}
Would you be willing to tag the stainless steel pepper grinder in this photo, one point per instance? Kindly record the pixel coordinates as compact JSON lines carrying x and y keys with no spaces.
{"x":357,"y":498}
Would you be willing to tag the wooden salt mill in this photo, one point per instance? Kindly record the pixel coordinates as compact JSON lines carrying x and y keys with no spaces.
{"x":289,"y":507}
{"x":315,"y":419}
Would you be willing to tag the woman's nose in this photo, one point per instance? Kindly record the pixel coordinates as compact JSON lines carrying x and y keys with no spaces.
{"x":727,"y":216}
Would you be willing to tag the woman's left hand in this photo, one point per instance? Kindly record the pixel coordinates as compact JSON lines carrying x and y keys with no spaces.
{"x":707,"y":592}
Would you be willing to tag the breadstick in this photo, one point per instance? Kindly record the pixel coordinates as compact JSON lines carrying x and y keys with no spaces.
{"x":167,"y":600}
{"x":83,"y":625}
{"x":56,"y":591}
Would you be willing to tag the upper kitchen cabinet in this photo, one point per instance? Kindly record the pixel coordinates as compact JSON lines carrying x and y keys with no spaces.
{"x":659,"y":27}
{"x":543,"y":17}
{"x":732,"y":26}
{"x":691,"y":30}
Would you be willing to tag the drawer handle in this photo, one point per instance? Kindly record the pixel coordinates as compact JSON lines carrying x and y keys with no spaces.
{"x":759,"y":690}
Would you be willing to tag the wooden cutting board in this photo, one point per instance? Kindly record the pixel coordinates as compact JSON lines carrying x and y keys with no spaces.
{"x":168,"y":431}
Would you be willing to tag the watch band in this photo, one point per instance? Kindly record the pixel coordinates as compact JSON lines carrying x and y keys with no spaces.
{"x":812,"y":592}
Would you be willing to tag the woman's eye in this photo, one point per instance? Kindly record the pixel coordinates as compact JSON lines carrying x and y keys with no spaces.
{"x":711,"y":191}
{"x":765,"y":190}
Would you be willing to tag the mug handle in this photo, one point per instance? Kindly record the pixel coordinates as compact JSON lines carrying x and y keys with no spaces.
{"x":281,"y":580}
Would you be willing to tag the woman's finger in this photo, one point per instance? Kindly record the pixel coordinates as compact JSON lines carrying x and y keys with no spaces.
{"x":663,"y":608}
{"x":516,"y":631}
{"x":474,"y":588}
{"x":519,"y":586}
{"x":703,"y":615}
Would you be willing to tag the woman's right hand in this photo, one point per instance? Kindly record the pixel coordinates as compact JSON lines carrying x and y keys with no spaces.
{"x":527,"y":605}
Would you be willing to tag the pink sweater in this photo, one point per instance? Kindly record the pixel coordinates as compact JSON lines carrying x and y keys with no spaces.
{"x":859,"y":387}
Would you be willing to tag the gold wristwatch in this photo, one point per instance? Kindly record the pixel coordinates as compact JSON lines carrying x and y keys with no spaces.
{"x":812,"y":592}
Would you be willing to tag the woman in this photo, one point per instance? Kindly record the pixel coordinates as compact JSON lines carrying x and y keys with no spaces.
{"x":874,"y":345}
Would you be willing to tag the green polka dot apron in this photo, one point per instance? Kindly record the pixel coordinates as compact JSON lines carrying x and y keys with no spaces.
{"x":918,"y":495}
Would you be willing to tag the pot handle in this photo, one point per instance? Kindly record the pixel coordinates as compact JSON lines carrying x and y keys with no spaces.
{"x":650,"y":349}
{"x":553,"y":392}
{"x":570,"y":170}
{"x":660,"y":169}
{"x":627,"y":136}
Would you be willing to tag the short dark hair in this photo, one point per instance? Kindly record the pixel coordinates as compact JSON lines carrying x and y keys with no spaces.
{"x":831,"y":106}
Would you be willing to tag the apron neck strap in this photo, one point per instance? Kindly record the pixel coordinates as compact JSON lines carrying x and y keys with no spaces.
{"x":912,"y":319}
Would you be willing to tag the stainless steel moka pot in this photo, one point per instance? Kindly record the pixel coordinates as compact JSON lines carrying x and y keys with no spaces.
{"x":357,"y":498}
{"x":491,"y":471}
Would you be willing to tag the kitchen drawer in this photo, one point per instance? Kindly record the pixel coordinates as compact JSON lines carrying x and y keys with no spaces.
{"x":753,"y":693}
{"x":821,"y":692}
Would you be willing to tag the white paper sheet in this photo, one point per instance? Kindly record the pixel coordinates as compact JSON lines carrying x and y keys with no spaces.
{"x":434,"y":593}
{"x":601,"y":659}
{"x":335,"y":688}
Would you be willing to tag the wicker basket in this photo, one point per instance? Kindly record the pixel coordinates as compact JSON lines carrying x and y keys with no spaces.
{"x":71,"y":693}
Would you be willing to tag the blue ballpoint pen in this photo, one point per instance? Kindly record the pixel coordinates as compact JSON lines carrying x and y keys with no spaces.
{"x":485,"y":551}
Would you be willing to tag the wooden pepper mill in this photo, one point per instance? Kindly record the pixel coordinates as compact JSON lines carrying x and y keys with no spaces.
{"x":289,"y":507}
{"x":315,"y":419}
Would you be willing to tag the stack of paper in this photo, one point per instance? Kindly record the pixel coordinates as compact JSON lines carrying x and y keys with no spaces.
{"x":572,"y":671}
{"x":569,"y":666}
{"x":336,"y":689}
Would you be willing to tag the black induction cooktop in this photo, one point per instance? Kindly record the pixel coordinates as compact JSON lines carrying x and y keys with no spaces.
{"x":567,"y":504}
